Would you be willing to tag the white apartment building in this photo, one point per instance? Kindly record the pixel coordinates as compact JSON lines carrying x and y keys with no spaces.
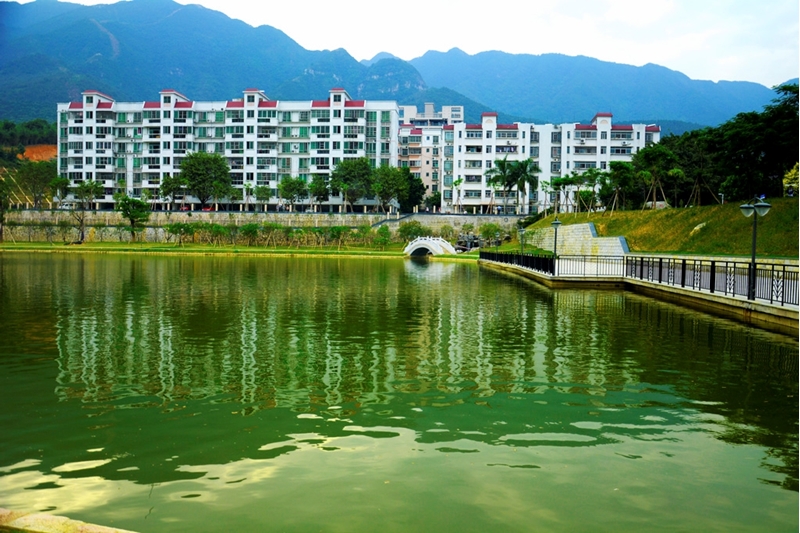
{"x":421,"y":142}
{"x":559,"y":149}
{"x":139,"y":143}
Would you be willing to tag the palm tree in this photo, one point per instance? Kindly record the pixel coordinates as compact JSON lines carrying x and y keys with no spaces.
{"x":525,"y":173}
{"x":248,"y":193}
{"x":502,"y":175}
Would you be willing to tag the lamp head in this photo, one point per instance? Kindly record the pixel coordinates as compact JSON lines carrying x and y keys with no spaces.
{"x":762,"y":208}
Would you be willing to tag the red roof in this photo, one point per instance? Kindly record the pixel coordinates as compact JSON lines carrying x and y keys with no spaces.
{"x":507,"y":127}
{"x":489,"y":114}
{"x":589,"y":127}
{"x":603,"y":115}
{"x":235,"y":104}
{"x":104,"y":105}
{"x":653,"y":128}
{"x":474,"y":127}
{"x":183,"y":105}
{"x":268,"y":103}
{"x":92,"y":91}
{"x":406,"y":125}
{"x":152,"y":105}
{"x":622,"y":127}
{"x":337,"y":89}
{"x":252,"y":90}
{"x":76,"y":105}
{"x":354,"y":103}
{"x":449,"y":127}
{"x":320,"y":103}
{"x":416,"y":132}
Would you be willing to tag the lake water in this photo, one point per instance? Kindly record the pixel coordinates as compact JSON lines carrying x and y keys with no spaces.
{"x":298,"y":394}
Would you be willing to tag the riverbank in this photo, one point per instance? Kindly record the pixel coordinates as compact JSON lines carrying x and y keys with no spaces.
{"x":392,"y":251}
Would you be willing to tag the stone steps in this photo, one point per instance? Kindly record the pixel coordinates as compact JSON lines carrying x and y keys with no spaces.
{"x":577,"y":239}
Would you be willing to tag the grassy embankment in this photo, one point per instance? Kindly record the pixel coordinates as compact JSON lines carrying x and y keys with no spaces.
{"x":725,"y":230}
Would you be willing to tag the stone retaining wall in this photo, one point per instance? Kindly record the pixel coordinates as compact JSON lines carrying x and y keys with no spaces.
{"x":107,"y":226}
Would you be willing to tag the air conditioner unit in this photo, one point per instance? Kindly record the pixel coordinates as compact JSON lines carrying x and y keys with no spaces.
{"x":626,"y":143}
{"x":583,"y":141}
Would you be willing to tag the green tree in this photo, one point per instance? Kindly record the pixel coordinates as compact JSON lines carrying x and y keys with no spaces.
{"x":409,"y":231}
{"x":263,"y":194}
{"x":353,"y":179}
{"x":179,"y":230}
{"x":318,"y":189}
{"x":293,"y":190}
{"x":60,"y":188}
{"x":617,"y":183}
{"x":85,"y":194}
{"x":433,"y":200}
{"x":389,"y":183}
{"x":247,"y":192}
{"x":503,"y":176}
{"x":205,"y":175}
{"x":489,"y":230}
{"x":35,"y":178}
{"x":383,"y":237}
{"x":414,"y":194}
{"x":653,"y":165}
{"x":172,"y":186}
{"x":525,"y":174}
{"x":136,"y":212}
{"x":250,"y":232}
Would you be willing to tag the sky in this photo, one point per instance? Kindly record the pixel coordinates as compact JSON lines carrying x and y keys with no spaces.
{"x":737,"y":40}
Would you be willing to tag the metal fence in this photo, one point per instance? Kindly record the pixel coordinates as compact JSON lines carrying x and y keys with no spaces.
{"x":775,"y":283}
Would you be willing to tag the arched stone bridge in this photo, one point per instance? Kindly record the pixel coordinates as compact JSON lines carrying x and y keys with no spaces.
{"x":429,"y":246}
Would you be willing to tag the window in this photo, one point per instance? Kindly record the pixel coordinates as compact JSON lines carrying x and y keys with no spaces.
{"x":251,"y":113}
{"x":488,"y":134}
{"x":337,"y":113}
{"x":89,"y":99}
{"x":604,"y":135}
{"x":555,"y":137}
{"x":166,"y":115}
{"x":602,"y":149}
{"x":337,"y":97}
{"x":167,"y":99}
{"x":251,"y":98}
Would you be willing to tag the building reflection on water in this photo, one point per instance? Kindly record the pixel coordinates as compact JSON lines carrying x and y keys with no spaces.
{"x":307,"y":334}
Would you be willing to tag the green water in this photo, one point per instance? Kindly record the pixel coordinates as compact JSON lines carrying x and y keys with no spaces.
{"x":293,"y":394}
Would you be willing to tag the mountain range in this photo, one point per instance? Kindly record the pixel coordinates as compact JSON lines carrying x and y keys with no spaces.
{"x":51,"y":51}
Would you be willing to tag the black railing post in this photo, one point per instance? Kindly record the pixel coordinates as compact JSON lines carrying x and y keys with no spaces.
{"x":712,"y":277}
{"x":683,"y":273}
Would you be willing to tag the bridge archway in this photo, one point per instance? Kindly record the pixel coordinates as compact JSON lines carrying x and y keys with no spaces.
{"x":422,"y":246}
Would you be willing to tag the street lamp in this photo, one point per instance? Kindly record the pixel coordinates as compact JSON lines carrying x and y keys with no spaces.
{"x":761,"y":208}
{"x":556,"y":223}
{"x":521,"y":233}
{"x":496,"y":241}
